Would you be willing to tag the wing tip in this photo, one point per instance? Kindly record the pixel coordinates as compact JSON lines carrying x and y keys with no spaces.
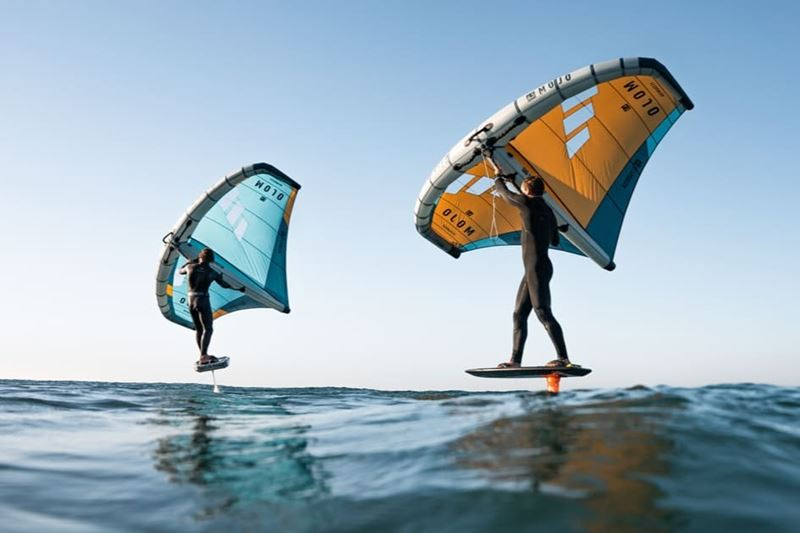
{"x":276,"y":172}
{"x":655,"y":64}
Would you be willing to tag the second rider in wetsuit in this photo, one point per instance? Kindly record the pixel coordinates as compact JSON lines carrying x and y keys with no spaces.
{"x":200,"y":276}
{"x":539,"y":232}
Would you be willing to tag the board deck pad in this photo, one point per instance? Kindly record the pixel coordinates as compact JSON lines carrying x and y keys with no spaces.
{"x":530,"y":372}
{"x":220,"y":364}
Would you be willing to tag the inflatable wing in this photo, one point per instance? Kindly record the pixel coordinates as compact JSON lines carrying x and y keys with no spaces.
{"x":588,"y":134}
{"x":244,"y":218}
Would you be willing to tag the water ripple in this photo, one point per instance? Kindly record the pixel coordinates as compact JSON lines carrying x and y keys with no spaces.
{"x":169,"y":457}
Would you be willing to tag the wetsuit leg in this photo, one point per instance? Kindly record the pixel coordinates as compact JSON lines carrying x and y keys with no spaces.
{"x":207,"y":320}
{"x":198,"y":324}
{"x":522,"y":310}
{"x":538,"y":279}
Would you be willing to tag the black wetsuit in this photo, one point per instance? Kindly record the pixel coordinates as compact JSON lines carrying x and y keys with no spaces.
{"x":539,"y":231}
{"x":200,"y":276}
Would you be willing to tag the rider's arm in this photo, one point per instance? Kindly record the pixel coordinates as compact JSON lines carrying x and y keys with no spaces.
{"x":555,"y":238}
{"x":185,"y":268}
{"x":223,"y":283}
{"x":508,"y":196}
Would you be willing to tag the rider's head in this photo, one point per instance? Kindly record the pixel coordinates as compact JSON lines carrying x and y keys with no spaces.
{"x":206,"y":255}
{"x":533,"y":187}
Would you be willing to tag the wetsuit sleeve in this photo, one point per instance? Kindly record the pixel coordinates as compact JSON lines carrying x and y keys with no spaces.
{"x":510,"y":197}
{"x":220,"y":281}
{"x":185,"y":268}
{"x":555,"y":238}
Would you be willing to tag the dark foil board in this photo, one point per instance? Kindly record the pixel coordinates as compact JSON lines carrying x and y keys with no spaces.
{"x":222,"y":363}
{"x":529,"y":372}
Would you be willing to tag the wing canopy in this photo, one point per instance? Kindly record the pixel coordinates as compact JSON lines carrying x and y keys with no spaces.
{"x":245,"y":219}
{"x":589,"y":134}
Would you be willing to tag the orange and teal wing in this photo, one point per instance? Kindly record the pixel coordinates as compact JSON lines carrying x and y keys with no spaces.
{"x":588,"y":134}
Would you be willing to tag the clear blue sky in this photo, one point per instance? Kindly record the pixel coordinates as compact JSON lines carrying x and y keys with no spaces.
{"x":115,"y":116}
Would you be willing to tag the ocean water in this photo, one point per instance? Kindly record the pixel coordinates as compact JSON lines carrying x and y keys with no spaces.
{"x":81,"y":456}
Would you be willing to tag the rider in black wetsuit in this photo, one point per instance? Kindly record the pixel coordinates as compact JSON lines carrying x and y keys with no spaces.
{"x":539,"y":231}
{"x":201,"y":275}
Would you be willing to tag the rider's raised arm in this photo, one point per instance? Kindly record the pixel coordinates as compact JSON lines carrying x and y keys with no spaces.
{"x":185,"y":268}
{"x":508,"y":196}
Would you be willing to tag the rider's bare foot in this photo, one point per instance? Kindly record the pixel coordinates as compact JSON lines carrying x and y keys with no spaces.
{"x":509,"y":364}
{"x":206,"y":359}
{"x":559,"y":363}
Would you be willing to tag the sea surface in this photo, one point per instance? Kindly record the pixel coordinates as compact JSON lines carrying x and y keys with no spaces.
{"x":82,"y":456}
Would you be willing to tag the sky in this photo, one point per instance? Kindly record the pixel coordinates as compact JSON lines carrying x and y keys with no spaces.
{"x":115,"y":117}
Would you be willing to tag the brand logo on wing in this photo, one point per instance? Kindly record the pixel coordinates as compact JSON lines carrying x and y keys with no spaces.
{"x":234,"y":212}
{"x":577,"y":112}
{"x":458,"y":221}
